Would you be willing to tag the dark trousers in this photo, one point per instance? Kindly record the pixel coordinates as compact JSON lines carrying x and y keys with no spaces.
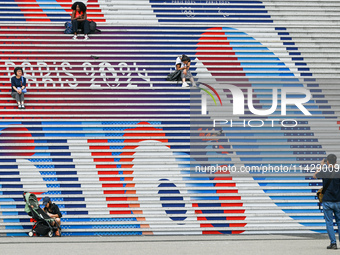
{"x":84,"y":25}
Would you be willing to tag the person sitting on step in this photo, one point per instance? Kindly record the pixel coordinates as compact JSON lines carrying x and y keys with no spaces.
{"x":18,"y":83}
{"x":79,"y":20}
{"x":183,"y":64}
{"x":52,"y":210}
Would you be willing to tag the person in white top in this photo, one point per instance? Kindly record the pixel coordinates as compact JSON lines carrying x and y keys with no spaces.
{"x":183,"y":64}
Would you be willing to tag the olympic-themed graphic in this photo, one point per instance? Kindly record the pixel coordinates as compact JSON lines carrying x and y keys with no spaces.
{"x":129,"y":167}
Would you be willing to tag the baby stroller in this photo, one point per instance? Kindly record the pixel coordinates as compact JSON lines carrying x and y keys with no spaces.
{"x":44,"y":225}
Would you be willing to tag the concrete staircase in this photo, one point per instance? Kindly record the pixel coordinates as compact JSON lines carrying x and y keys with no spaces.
{"x":122,"y":151}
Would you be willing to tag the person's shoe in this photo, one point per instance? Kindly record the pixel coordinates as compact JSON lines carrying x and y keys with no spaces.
{"x":57,"y":233}
{"x":74,"y":37}
{"x":332,"y":246}
{"x":23,"y":106}
{"x":19,"y":106}
{"x":184,"y":84}
{"x":86,"y":37}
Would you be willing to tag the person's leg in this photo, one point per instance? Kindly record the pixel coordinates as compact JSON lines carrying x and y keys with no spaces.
{"x":328,"y":213}
{"x":337,"y":216}
{"x":58,"y":221}
{"x":15,"y":95}
{"x":75,"y":28}
{"x":86,"y":27}
{"x":193,"y":82}
{"x":183,"y":75}
{"x":57,"y":233}
{"x":22,"y":100}
{"x":191,"y":78}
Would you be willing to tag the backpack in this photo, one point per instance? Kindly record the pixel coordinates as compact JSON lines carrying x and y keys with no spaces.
{"x":322,"y":191}
{"x":93,"y":27}
{"x":68,"y":28}
{"x":22,"y":81}
{"x":175,"y":76}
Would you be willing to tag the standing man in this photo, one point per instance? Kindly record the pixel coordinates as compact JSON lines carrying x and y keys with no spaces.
{"x":331,"y":197}
{"x":52,"y":210}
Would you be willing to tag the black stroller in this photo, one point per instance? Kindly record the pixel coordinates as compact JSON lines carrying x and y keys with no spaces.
{"x":44,"y":225}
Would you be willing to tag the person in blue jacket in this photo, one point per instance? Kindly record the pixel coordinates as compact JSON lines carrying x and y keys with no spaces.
{"x":18,"y":83}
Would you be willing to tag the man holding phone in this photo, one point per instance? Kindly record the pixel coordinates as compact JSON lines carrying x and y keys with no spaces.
{"x":329,"y":172}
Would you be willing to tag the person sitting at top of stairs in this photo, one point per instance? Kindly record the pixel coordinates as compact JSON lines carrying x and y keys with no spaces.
{"x":79,"y":20}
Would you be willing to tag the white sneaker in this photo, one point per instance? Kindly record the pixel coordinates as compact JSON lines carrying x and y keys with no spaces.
{"x":74,"y":37}
{"x":86,"y":37}
{"x":184,"y":84}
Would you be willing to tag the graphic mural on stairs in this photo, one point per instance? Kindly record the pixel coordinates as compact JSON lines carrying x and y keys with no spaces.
{"x":180,"y":199}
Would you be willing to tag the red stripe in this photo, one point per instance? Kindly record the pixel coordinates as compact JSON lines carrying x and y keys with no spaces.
{"x":117,"y":205}
{"x":120,"y":212}
{"x":236,"y":218}
{"x":227,"y":191}
{"x":115,"y":179}
{"x":112,"y":185}
{"x":234,"y":211}
{"x":108,"y":172}
{"x":231,"y":204}
{"x":230,"y":198}
{"x":237,"y":225}
{"x":116,"y":199}
{"x":236,"y":232}
{"x":106,"y":166}
{"x":114,"y":192}
{"x":225,"y":185}
{"x":205,"y":232}
{"x":206,"y":225}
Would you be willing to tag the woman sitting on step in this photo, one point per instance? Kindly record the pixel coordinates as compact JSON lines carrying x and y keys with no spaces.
{"x":183,"y":64}
{"x":18,"y":83}
{"x":79,"y":20}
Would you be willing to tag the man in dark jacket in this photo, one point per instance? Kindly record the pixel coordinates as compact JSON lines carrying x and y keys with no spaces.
{"x":53,"y":211}
{"x":331,"y":198}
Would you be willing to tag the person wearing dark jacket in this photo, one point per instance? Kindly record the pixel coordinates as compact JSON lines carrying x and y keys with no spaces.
{"x":52,"y":210}
{"x":18,"y":84}
{"x":329,"y":172}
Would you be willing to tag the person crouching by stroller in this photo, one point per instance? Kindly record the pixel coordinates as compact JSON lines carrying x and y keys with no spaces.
{"x":18,"y":83}
{"x":183,"y":64}
{"x":52,"y":210}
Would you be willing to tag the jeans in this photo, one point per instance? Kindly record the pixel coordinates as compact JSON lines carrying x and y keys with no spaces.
{"x":330,"y":208}
{"x":84,"y":25}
